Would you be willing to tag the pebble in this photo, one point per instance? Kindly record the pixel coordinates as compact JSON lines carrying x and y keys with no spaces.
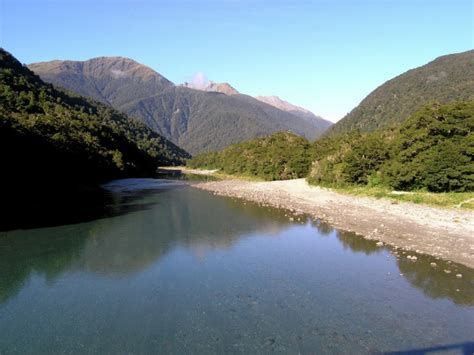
{"x":266,"y":199}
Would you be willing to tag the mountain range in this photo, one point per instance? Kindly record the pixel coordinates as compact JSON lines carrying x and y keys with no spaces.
{"x":445,"y":79}
{"x":197,"y":120}
{"x":212,"y":116}
{"x":275,"y":101}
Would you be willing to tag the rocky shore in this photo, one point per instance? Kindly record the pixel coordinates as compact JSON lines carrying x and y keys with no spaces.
{"x":444,"y":233}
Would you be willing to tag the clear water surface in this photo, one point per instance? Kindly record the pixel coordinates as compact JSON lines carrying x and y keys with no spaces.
{"x":173,"y":269}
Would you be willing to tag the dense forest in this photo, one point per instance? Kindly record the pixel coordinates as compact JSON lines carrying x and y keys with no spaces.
{"x":432,"y":150}
{"x":52,"y":141}
{"x":282,"y":155}
{"x":76,"y":124}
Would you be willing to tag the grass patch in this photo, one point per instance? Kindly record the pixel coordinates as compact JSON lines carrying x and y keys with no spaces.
{"x":464,"y":200}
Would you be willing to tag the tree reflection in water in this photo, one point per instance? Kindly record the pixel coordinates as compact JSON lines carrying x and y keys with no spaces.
{"x":140,"y":227}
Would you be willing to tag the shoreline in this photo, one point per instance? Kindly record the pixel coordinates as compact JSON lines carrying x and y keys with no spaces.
{"x":446,"y":234}
{"x":185,"y":170}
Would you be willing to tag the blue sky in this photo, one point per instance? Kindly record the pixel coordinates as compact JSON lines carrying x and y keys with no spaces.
{"x":323,"y":55}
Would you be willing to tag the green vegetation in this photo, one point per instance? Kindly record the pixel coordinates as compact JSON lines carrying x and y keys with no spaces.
{"x":87,"y":130}
{"x":439,"y":199}
{"x":433,"y":150}
{"x":351,"y":158}
{"x":195,"y":120}
{"x":56,"y":148}
{"x":446,"y":79}
{"x":280,"y":156}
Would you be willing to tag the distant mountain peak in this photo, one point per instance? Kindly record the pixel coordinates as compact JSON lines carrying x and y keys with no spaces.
{"x":224,"y":88}
{"x":116,"y":67}
{"x":106,"y":79}
{"x":211,"y":86}
{"x":301,"y":112}
{"x":281,"y":104}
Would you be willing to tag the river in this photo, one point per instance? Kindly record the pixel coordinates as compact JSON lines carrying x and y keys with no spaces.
{"x":172,"y":269}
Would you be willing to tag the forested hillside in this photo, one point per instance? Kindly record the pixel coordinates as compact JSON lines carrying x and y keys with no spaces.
{"x":433,"y":150}
{"x":206,"y":121}
{"x":282,"y":155}
{"x":445,"y":79}
{"x":50,"y":139}
{"x":196,"y":120}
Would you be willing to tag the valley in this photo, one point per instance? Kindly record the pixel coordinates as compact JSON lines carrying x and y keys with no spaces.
{"x":236,"y":177}
{"x":197,"y":120}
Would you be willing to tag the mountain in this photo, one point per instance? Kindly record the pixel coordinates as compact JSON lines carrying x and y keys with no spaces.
{"x":110,"y":80}
{"x":196,"y":120}
{"x":447,"y":78}
{"x":54,"y":141}
{"x":211,"y":86}
{"x":224,"y":88}
{"x":275,"y":101}
{"x":295,"y":110}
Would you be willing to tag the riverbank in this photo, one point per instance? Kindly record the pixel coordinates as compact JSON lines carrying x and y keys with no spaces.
{"x":444,"y":233}
{"x":185,"y":170}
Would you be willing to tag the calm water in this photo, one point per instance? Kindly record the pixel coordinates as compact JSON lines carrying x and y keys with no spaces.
{"x":178,"y":270}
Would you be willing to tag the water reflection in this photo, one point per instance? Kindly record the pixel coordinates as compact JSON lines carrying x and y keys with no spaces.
{"x":435,"y":282}
{"x":144,"y":226}
{"x":197,"y":221}
{"x":52,"y":251}
{"x":356,"y":243}
{"x":47,"y":253}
